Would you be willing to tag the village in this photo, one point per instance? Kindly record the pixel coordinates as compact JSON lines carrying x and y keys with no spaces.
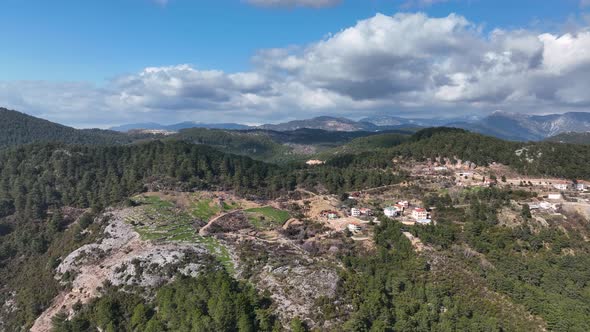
{"x":355,"y":213}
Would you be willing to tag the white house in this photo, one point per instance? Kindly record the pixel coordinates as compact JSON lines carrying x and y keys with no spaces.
{"x":354,"y":228}
{"x":405,"y":204}
{"x":424,"y":221}
{"x":355,"y":212}
{"x":581,"y":185}
{"x":390,"y":211}
{"x":554,"y":196}
{"x":561,"y":185}
{"x":314,"y":162}
{"x":419,"y":214}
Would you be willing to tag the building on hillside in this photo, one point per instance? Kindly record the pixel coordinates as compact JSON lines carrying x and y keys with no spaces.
{"x":562,"y":185}
{"x":440,"y":168}
{"x":581,"y":185}
{"x":554,"y":196}
{"x":354,"y":228}
{"x":355,"y":212}
{"x":419,"y":214}
{"x":424,"y":221}
{"x":547,"y":206}
{"x":366,"y":212}
{"x":314,"y":162}
{"x":391,"y":212}
{"x":329,"y":214}
{"x":405,"y":204}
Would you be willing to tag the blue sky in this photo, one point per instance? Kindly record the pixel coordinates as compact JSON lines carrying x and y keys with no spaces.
{"x":94,"y":43}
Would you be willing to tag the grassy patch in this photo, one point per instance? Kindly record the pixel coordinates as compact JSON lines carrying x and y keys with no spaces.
{"x":204,"y":209}
{"x":267,"y":216}
{"x":160,"y":220}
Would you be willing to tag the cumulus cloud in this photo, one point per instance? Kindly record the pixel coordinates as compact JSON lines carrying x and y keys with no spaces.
{"x":410,"y":64}
{"x":294,"y":3}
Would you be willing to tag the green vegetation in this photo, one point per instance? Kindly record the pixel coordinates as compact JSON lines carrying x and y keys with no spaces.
{"x":253,"y":144}
{"x":204,"y":209}
{"x":18,"y":128}
{"x":160,"y":220}
{"x":571,"y":138}
{"x":267,"y":216}
{"x":394,"y":289}
{"x":533,"y":268}
{"x":211,"y":302}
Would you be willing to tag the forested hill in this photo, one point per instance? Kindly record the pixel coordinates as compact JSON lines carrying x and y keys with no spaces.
{"x":18,"y":128}
{"x":572,"y":138}
{"x":539,"y":158}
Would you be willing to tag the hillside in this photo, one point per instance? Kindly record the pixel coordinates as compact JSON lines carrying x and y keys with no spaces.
{"x":323,"y":122}
{"x":522,"y":127}
{"x":18,"y":128}
{"x":571,"y":138}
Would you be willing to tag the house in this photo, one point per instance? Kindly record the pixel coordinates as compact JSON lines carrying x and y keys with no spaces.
{"x":354,"y":228}
{"x":547,"y":206}
{"x":391,"y":211}
{"x":366,"y":212}
{"x":355,"y":212}
{"x":563,"y":185}
{"x":314,"y":162}
{"x":419,"y":214}
{"x":581,"y":185}
{"x":554,"y":196}
{"x":405,"y":204}
{"x":440,"y":168}
{"x":329,"y":214}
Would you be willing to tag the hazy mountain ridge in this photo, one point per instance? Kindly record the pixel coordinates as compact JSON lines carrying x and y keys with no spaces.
{"x":522,"y":127}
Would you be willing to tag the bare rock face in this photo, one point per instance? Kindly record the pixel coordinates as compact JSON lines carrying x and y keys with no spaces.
{"x":121,"y":258}
{"x":294,"y":279}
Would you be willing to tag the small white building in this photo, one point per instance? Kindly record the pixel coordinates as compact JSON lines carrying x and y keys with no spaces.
{"x":547,"y":206}
{"x":561,"y":185}
{"x":581,"y":185}
{"x":390,"y":212}
{"x":554,"y":196}
{"x":440,"y":168}
{"x":419,"y":214}
{"x":314,"y":162}
{"x":405,"y":204}
{"x":355,"y":212}
{"x":354,"y":228}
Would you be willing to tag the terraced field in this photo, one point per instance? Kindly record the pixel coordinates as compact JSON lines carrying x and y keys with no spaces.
{"x":267,"y":217}
{"x":161,"y":220}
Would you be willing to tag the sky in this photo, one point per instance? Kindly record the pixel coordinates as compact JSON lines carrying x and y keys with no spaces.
{"x":100,"y":63}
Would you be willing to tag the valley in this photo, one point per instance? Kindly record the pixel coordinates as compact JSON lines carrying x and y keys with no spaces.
{"x":437,"y":229}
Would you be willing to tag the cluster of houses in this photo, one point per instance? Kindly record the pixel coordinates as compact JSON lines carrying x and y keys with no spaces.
{"x":361,"y":212}
{"x":420,"y":215}
{"x":579,"y":185}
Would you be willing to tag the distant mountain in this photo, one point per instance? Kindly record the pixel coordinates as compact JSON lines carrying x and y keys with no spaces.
{"x":178,"y":126}
{"x":136,"y":126}
{"x":572,"y":138}
{"x":521,"y":127}
{"x":324,"y":123}
{"x":19,"y":128}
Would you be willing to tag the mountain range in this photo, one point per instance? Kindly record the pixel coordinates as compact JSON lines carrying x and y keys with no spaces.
{"x":511,"y":126}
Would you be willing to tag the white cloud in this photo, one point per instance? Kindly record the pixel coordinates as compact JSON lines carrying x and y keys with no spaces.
{"x":409,"y":63}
